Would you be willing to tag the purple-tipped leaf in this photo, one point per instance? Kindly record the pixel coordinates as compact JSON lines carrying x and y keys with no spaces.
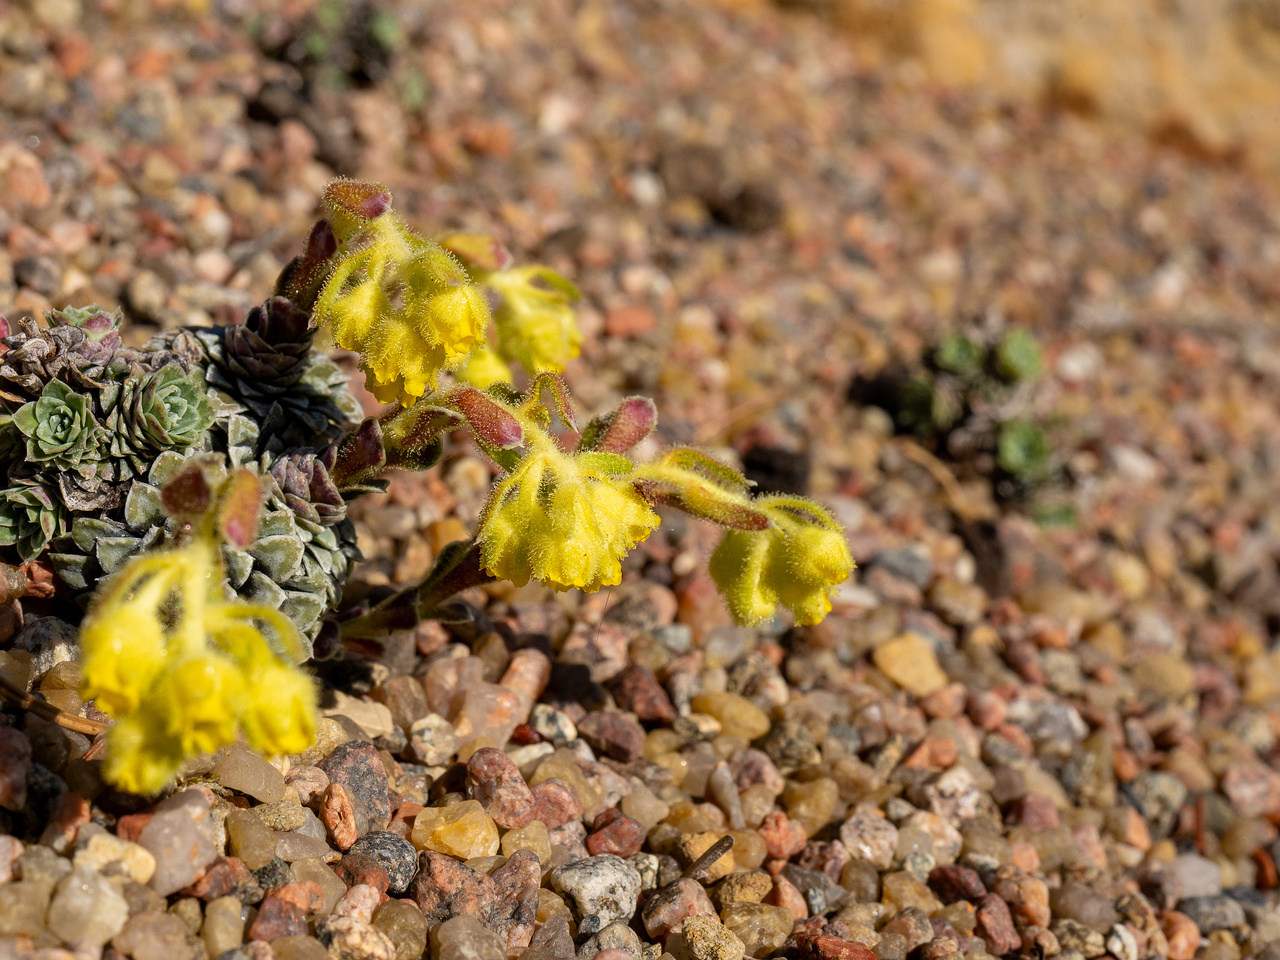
{"x":356,"y":456}
{"x":187,"y":494}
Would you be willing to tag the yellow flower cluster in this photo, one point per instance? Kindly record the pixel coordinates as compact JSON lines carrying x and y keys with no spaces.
{"x":181,"y":669}
{"x":399,"y":300}
{"x":798,"y":561}
{"x":562,"y":519}
{"x":534,"y":319}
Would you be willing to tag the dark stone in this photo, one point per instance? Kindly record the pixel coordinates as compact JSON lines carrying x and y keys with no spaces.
{"x":911,"y":566}
{"x":394,"y":853}
{"x":444,"y":889}
{"x":357,"y":766}
{"x":1213,"y":913}
{"x":277,"y":873}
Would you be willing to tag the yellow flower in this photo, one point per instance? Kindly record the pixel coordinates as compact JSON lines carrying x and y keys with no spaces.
{"x":484,"y":368}
{"x":563,"y":520}
{"x":120,"y":658}
{"x":182,"y":669}
{"x":278,"y":714}
{"x":200,"y":699}
{"x":798,"y":562}
{"x":141,"y":756}
{"x":535,"y":323}
{"x":404,"y":304}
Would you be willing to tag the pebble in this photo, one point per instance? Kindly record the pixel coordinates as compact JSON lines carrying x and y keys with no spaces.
{"x":995,"y":925}
{"x":668,"y":908}
{"x":394,"y":853}
{"x":444,"y":888}
{"x":612,"y":734}
{"x":403,"y":924}
{"x":761,"y":928}
{"x":705,"y":938}
{"x":103,"y":848}
{"x":240,"y":769}
{"x":603,"y":887}
{"x":613,"y":832}
{"x":180,"y":838}
{"x":871,"y":837}
{"x":495,"y":781}
{"x":1212,"y":913}
{"x":348,"y":938}
{"x":15,"y":768}
{"x":910,"y":662}
{"x":357,"y":767}
{"x":86,"y":908}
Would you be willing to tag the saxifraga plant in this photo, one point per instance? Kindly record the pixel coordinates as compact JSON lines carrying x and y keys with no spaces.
{"x":229,"y":455}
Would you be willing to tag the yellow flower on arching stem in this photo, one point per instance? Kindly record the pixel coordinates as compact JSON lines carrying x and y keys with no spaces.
{"x":797,"y":562}
{"x":181,"y":668}
{"x":484,"y":368}
{"x":536,"y":326}
{"x":120,"y":659}
{"x":564,"y":520}
{"x":399,"y":300}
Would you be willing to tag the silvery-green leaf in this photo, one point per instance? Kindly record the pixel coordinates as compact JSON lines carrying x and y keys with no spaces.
{"x":277,"y":523}
{"x":304,"y":609}
{"x":142,"y":508}
{"x":87,"y":531}
{"x":239,"y":565}
{"x":165,"y":464}
{"x":70,"y":568}
{"x":259,"y":589}
{"x":114,"y":551}
{"x":154,"y":537}
{"x":280,"y":556}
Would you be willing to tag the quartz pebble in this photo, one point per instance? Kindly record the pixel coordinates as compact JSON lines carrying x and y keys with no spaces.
{"x":86,"y":908}
{"x":180,"y":839}
{"x":239,"y":768}
{"x":463,"y":830}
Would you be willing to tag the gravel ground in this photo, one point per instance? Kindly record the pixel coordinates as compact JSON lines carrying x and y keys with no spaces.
{"x":1010,"y":737}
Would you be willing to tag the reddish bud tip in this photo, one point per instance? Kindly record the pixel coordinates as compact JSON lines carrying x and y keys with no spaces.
{"x":238,"y":509}
{"x":187,"y":494}
{"x":321,"y":243}
{"x":491,"y":423}
{"x":634,"y":420}
{"x":4,"y":326}
{"x":361,"y":199}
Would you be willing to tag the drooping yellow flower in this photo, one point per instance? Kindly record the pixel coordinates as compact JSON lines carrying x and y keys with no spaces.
{"x":484,"y":368}
{"x":797,"y":562}
{"x":536,"y":327}
{"x":399,"y":300}
{"x":183,"y":670}
{"x":564,"y":520}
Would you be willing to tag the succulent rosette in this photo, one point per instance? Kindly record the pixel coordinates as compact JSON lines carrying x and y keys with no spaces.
{"x":60,"y":428}
{"x":30,"y":516}
{"x":165,"y":410}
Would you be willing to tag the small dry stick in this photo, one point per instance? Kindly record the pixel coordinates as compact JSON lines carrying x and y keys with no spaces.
{"x":47,"y":711}
{"x":698,"y":869}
